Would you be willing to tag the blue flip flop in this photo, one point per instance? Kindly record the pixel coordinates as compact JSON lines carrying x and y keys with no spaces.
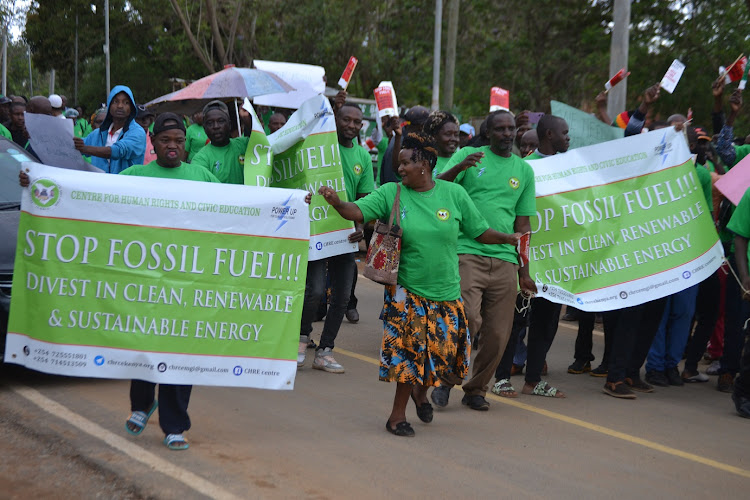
{"x":176,"y":442}
{"x":140,"y":419}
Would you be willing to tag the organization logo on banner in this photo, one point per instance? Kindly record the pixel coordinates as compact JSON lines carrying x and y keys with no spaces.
{"x":45,"y":193}
{"x":284,"y":213}
{"x":443,"y":214}
{"x":514,"y":183}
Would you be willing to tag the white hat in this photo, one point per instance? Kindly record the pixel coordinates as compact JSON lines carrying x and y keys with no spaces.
{"x":56,"y":101}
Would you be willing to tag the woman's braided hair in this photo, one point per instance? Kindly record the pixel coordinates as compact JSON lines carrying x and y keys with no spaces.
{"x":422,"y":146}
{"x":436,"y":120}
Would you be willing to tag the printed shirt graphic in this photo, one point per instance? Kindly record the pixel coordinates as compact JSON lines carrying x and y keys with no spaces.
{"x":431,"y":222}
{"x":226,"y":163}
{"x":502,"y":188}
{"x":357,"y":167}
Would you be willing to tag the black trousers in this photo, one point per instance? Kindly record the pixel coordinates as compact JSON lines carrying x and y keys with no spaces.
{"x":173,"y":404}
{"x":520,"y":321}
{"x":585,"y":337}
{"x":632,"y":330}
{"x":706,"y":315}
{"x":545,"y":316}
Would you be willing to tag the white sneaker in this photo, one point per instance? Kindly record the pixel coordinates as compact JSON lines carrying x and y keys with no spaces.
{"x":324,"y":361}
{"x":698,"y":377}
{"x":301,"y":350}
{"x":714,"y":368}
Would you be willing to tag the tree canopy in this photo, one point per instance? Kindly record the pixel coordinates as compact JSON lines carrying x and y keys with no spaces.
{"x":542,"y":50}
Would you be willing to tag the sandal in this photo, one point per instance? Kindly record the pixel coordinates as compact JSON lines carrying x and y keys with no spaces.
{"x":139,"y":419}
{"x":504,"y":388}
{"x":544,"y":389}
{"x":176,"y":442}
{"x":402,"y":429}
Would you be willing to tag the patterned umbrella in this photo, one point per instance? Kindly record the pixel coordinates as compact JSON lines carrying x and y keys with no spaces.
{"x":231,"y":82}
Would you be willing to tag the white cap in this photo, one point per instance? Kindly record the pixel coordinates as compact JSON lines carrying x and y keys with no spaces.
{"x":56,"y":101}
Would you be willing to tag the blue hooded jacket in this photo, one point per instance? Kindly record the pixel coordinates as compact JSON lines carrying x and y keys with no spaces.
{"x":130,"y":146}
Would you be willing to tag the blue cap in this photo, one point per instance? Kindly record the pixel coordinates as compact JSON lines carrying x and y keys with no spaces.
{"x":467,"y":129}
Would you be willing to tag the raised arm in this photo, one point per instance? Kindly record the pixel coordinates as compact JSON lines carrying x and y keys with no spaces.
{"x":470,"y":161}
{"x":347,"y":210}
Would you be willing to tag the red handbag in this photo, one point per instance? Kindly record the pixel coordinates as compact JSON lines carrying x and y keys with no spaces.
{"x":384,"y":252}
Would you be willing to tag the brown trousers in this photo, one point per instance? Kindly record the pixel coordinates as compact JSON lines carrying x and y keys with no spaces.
{"x":488,"y":287}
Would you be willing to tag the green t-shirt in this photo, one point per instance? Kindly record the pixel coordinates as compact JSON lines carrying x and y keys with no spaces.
{"x":431,"y":222}
{"x":739,"y":224}
{"x":382,"y":146}
{"x":227,"y":163}
{"x":185,"y":171}
{"x":82,"y":128}
{"x":5,"y":132}
{"x":195,"y":139}
{"x":740,"y":153}
{"x":502,"y":189}
{"x":442,"y":161}
{"x":357,"y":166}
{"x":704,"y":177}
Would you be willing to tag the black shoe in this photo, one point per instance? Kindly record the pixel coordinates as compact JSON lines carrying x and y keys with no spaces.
{"x":440,"y":395}
{"x":352,"y":316}
{"x":579,"y":367}
{"x":655,"y":377}
{"x":673,"y":376}
{"x":475,"y":402}
{"x":742,"y":404}
{"x":725,"y":382}
{"x":569,"y":317}
{"x":599,"y":371}
{"x":618,"y":390}
{"x":636,"y":384}
{"x":311,"y":344}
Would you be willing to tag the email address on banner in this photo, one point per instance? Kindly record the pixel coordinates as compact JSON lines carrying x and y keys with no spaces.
{"x":199,"y":369}
{"x":653,"y":286}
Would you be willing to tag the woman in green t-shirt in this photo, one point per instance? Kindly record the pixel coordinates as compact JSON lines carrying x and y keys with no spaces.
{"x":443,"y":127}
{"x":425,"y":329}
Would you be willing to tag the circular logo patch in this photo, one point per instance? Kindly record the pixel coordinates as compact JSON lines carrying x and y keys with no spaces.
{"x":443,"y":214}
{"x":514,"y":183}
{"x":45,"y":193}
{"x":358,"y":169}
{"x":241,"y":159}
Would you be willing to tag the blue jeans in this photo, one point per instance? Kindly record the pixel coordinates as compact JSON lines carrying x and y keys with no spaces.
{"x":672,"y":336}
{"x":341,"y":270}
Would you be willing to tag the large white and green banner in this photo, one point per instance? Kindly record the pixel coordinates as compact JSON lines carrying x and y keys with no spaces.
{"x":621,"y":223}
{"x":304,"y":154}
{"x":170,"y":281}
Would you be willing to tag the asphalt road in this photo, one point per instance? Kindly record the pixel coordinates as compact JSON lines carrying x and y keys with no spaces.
{"x":64,"y":437}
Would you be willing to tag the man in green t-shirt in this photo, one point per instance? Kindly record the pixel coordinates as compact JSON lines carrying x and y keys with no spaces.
{"x":502,"y":186}
{"x":342,"y":269}
{"x":225,"y":156}
{"x":195,"y":136}
{"x":740,"y":226}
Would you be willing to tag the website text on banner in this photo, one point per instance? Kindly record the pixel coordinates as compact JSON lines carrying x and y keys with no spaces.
{"x":169,"y":281}
{"x":304,"y":154}
{"x":621,"y":223}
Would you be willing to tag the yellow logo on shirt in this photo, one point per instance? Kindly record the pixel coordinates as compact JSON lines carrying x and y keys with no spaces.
{"x":514,"y":183}
{"x":358,"y":169}
{"x":241,"y":159}
{"x":443,"y":214}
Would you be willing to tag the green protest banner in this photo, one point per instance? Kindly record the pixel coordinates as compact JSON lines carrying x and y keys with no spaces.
{"x":161,"y":280}
{"x":304,"y":154}
{"x":584,"y":129}
{"x":621,"y":224}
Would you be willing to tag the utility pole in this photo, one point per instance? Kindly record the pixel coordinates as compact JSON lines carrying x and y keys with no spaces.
{"x":436,"y":54}
{"x":51,"y":81}
{"x":31,"y":77}
{"x":450,"y":52}
{"x":106,"y":44}
{"x":5,"y":62}
{"x":75,"y":70}
{"x":618,"y":56}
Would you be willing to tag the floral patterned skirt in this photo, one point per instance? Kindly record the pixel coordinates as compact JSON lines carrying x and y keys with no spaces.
{"x":423,"y":340}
